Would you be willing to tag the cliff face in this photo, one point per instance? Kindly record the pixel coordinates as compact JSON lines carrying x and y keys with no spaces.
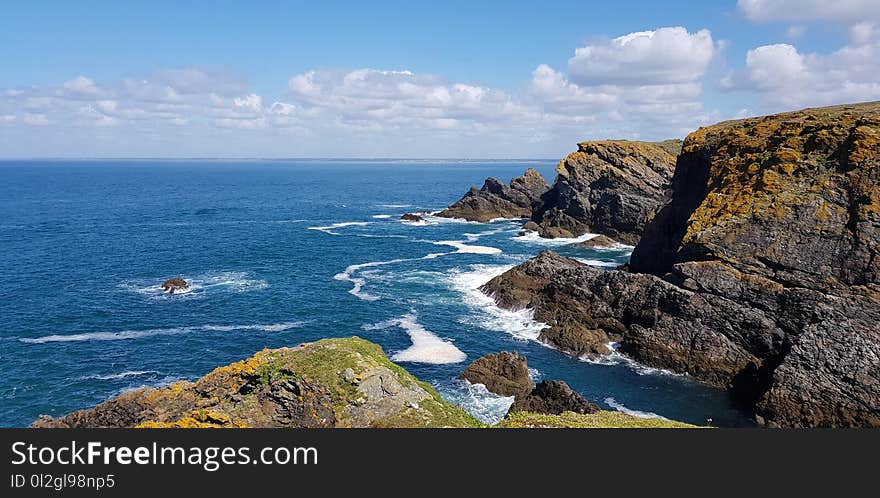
{"x":497,"y":200}
{"x":611,"y":187}
{"x":760,"y":275}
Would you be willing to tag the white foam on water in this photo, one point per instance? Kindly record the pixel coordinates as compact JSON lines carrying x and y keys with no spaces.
{"x":121,"y":375}
{"x":473,"y":237}
{"x":598,"y":262}
{"x":521,"y":324}
{"x":485,"y":406}
{"x":629,"y":411}
{"x":532,"y":237}
{"x":381,"y":216}
{"x":468,"y":249}
{"x":329,"y":228}
{"x":426,"y":346}
{"x":616,"y":358}
{"x":138,"y":334}
{"x":535,"y":374}
{"x":225,"y":281}
{"x":358,"y":282}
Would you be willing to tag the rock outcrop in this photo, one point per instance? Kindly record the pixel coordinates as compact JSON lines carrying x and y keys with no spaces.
{"x":552,"y":397}
{"x":610,"y":187}
{"x":497,"y":200}
{"x":597,"y":241}
{"x":507,"y":374}
{"x":502,"y":373}
{"x":329,"y":383}
{"x":175,"y":284}
{"x":412,"y":217}
{"x":761,"y":275}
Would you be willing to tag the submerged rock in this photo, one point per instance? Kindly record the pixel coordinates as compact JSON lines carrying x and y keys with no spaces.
{"x":760,"y":275}
{"x":497,"y":200}
{"x":502,"y":373}
{"x":610,"y":187}
{"x":175,"y":284}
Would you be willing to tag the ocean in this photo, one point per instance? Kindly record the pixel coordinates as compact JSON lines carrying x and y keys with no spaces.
{"x":278,"y":253}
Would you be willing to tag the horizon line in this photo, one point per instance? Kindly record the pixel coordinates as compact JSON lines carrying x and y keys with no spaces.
{"x":293,"y":158}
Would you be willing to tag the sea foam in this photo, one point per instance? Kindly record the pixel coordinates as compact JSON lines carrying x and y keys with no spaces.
{"x":482,"y":404}
{"x":486,"y":314}
{"x":138,"y":334}
{"x":329,"y":228}
{"x":629,"y":411}
{"x":468,"y":249}
{"x":426,"y":346}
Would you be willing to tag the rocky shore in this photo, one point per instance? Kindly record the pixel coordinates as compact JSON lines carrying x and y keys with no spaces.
{"x":760,"y":275}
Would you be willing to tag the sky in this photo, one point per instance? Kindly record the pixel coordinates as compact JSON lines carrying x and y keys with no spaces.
{"x":451,"y":79}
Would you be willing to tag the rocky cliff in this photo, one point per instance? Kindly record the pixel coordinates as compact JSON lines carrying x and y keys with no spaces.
{"x":761,"y":275}
{"x":497,"y":200}
{"x":611,"y":187}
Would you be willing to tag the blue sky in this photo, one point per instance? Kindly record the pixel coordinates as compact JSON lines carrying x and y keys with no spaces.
{"x":412,"y":79}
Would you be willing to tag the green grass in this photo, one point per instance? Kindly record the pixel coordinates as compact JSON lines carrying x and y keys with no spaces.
{"x":598,"y":420}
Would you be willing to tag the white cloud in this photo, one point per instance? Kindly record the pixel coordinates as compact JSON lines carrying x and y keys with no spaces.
{"x":81,"y":84}
{"x":810,"y":10}
{"x":786,"y":78}
{"x":663,"y":56}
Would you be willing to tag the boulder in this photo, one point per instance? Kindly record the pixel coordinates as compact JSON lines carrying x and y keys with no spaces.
{"x":175,"y":284}
{"x":502,"y":373}
{"x":552,"y":397}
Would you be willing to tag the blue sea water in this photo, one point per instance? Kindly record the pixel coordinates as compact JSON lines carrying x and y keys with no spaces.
{"x":278,"y":252}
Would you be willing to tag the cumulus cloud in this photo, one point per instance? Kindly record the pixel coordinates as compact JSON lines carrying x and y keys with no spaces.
{"x":810,"y":10}
{"x":784,"y":77}
{"x":645,"y":85}
{"x":663,"y":56}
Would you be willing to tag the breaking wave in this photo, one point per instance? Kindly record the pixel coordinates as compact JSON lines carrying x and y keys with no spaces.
{"x":520,"y":323}
{"x":485,"y":406}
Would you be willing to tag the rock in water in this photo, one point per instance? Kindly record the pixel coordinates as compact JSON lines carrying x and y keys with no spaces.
{"x":611,"y":187}
{"x":761,"y":275}
{"x":597,"y":241}
{"x":411,"y":217}
{"x":175,"y":284}
{"x":497,"y":200}
{"x":329,"y":383}
{"x":552,"y":397}
{"x":502,"y":373}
